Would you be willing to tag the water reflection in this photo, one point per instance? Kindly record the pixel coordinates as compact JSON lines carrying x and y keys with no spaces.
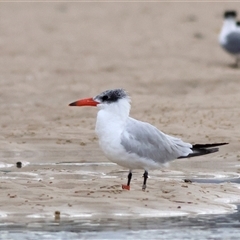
{"x":216,"y":181}
{"x":199,"y":227}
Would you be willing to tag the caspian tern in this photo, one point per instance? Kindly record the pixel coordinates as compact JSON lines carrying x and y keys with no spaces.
{"x":134,"y":144}
{"x":229,"y":37}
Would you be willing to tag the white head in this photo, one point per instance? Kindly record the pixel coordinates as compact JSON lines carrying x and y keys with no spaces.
{"x":115,"y":101}
{"x":229,"y":25}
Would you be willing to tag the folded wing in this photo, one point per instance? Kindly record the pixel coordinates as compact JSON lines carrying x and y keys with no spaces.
{"x":148,"y":142}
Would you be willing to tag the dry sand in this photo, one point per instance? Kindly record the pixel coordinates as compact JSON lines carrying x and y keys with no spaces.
{"x":168,"y":58}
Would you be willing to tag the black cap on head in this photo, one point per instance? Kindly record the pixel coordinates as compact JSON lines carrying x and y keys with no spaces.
{"x":230,"y":14}
{"x":110,"y":96}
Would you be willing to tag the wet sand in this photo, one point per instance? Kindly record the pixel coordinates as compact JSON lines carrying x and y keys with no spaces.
{"x":166,"y":55}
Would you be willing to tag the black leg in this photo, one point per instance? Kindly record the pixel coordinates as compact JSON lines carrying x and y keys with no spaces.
{"x":145,"y":177}
{"x":236,"y":64}
{"x":127,"y":187}
{"x":129,"y":178}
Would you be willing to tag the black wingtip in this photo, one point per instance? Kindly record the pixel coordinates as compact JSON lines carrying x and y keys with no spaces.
{"x":198,"y":146}
{"x":203,"y":149}
{"x":200,"y":152}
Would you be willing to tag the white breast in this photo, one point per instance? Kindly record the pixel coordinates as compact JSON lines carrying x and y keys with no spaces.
{"x":229,"y":26}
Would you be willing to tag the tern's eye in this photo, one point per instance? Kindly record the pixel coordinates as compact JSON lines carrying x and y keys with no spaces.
{"x":105,"y":98}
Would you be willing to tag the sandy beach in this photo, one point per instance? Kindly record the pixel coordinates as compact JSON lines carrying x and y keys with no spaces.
{"x":166,"y":55}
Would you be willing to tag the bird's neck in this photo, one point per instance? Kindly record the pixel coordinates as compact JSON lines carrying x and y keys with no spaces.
{"x":229,"y":25}
{"x":111,"y":120}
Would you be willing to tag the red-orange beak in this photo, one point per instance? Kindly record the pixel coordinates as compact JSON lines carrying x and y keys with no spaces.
{"x":84,"y":102}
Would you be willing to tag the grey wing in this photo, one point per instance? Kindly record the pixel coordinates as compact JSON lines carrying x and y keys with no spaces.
{"x":233,"y":43}
{"x":148,"y":142}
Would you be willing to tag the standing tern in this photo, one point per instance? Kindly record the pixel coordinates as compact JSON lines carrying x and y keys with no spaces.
{"x":229,"y":37}
{"x":134,"y":144}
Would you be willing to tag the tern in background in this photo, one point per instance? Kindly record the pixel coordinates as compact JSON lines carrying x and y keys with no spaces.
{"x":134,"y":144}
{"x":229,"y":37}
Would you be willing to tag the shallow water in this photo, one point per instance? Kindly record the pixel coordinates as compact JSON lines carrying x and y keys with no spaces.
{"x":216,"y":181}
{"x":199,"y":227}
